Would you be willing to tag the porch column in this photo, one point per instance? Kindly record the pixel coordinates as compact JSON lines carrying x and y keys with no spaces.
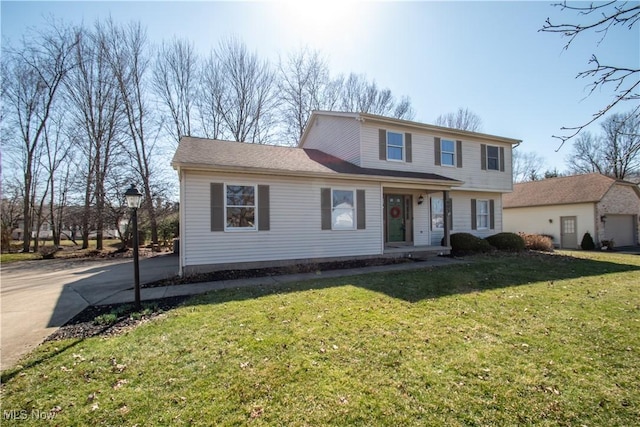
{"x":446,"y":209}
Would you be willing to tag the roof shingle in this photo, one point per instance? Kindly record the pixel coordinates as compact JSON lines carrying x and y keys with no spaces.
{"x":559,"y":191}
{"x":212,"y":154}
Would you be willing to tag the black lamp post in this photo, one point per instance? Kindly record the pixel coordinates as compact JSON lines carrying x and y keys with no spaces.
{"x":134,"y":198}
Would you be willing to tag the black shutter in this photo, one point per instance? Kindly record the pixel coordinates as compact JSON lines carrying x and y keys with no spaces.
{"x":264,"y":222}
{"x":436,"y":146}
{"x":382,"y":141}
{"x":325,"y":208}
{"x":474,"y":223}
{"x":492,"y":216}
{"x":408,"y":148}
{"x":501,"y":159}
{"x":361,"y":214}
{"x":483,"y":157}
{"x":459,"y":153}
{"x":217,"y":206}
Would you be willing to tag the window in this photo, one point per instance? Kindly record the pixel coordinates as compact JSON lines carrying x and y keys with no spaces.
{"x":493,"y":158}
{"x":437,"y":213}
{"x":447,"y":152}
{"x":240,"y":207}
{"x":342,"y":210}
{"x":395,"y":146}
{"x":482,"y":214}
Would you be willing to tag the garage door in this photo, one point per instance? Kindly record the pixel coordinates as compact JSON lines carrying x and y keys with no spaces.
{"x":620,"y":228}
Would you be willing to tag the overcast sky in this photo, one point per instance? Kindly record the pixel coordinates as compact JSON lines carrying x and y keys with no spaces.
{"x":487,"y":56}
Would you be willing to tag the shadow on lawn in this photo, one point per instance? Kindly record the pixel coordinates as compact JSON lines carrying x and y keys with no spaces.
{"x":480,"y":273}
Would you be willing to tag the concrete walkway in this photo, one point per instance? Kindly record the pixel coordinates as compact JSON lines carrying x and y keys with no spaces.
{"x":38,"y":297}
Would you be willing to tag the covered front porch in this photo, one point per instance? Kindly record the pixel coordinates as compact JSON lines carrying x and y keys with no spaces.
{"x":416,"y":220}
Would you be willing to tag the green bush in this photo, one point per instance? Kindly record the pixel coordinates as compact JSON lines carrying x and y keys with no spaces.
{"x":537,"y":242}
{"x":465,"y":243}
{"x":506,"y":242}
{"x":587,"y":243}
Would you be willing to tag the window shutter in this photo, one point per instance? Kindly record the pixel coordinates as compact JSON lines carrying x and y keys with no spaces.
{"x":483,"y":157}
{"x":436,"y":147}
{"x":501,"y":159}
{"x":382,"y":139}
{"x":408,"y":149}
{"x":217,"y":206}
{"x":361,"y":214}
{"x":325,"y":208}
{"x":492,"y":216}
{"x":264,"y":222}
{"x":459,"y":153}
{"x":474,"y":223}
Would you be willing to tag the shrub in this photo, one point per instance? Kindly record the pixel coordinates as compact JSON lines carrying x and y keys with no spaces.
{"x":607,"y":244}
{"x":506,"y":242}
{"x":587,"y":242}
{"x":537,"y":242}
{"x":465,"y":243}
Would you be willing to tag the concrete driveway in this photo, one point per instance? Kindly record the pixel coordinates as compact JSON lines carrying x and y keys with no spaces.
{"x":39,"y":296}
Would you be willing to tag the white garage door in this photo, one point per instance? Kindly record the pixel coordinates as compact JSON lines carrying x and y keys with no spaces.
{"x":620,"y":228}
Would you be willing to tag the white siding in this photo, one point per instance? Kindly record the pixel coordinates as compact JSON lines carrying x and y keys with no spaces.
{"x":546,"y":220}
{"x":423,"y":160}
{"x":338,"y":136}
{"x":295,"y":231}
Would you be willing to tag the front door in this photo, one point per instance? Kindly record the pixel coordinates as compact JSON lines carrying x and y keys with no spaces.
{"x":568,"y":232}
{"x":396,"y":227}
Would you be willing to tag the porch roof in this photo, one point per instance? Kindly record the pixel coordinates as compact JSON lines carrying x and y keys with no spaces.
{"x":216,"y":155}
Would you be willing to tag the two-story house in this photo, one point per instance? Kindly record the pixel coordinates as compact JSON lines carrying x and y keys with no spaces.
{"x":357,"y":185}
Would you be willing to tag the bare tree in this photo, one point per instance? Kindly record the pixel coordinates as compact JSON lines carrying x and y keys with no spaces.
{"x":210,"y":98}
{"x":463,"y":119}
{"x":358,"y":94}
{"x":304,"y":82}
{"x":601,"y":18}
{"x":615,"y":153}
{"x":92,"y":90}
{"x":32,"y":78}
{"x":526,"y":166}
{"x":174,"y":81}
{"x":127,"y":50}
{"x":247,"y":100}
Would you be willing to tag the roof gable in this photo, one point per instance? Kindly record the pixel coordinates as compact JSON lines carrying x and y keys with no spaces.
{"x":588,"y":188}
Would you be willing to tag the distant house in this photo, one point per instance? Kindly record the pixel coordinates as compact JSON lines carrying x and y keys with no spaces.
{"x":568,"y":207}
{"x":357,"y":185}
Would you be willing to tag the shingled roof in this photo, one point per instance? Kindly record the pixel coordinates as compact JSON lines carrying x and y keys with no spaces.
{"x":210,"y":154}
{"x":588,"y":188}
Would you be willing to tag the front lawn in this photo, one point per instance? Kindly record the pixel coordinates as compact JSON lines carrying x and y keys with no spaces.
{"x":505,"y":340}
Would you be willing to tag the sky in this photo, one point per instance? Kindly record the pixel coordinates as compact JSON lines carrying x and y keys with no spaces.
{"x":489,"y":57}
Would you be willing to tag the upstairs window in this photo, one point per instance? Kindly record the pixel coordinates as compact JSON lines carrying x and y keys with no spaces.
{"x":395,"y":146}
{"x":493,"y":158}
{"x":447,"y":152}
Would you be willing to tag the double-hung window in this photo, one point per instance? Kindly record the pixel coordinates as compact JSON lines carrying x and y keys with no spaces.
{"x":395,"y":146}
{"x":343,"y":209}
{"x":240,"y":207}
{"x":493,"y":158}
{"x":447,"y":152}
{"x":482,"y":214}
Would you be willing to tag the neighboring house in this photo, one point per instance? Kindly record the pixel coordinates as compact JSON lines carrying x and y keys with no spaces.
{"x":357,"y":185}
{"x":568,"y":207}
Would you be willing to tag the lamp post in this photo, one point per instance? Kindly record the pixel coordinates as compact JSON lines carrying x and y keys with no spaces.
{"x":134,"y":198}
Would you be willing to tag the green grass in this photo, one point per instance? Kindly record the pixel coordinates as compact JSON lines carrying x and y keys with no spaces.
{"x":511,"y":340}
{"x":69,"y":250}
